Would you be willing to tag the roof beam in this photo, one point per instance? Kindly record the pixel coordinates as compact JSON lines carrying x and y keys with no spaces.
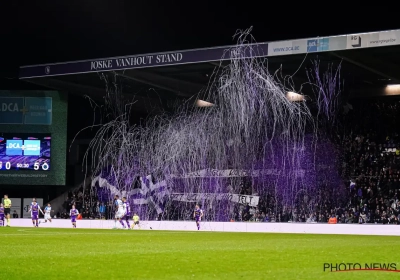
{"x":373,"y":92}
{"x":361,"y":65}
{"x":179,"y":87}
{"x":143,"y":103}
{"x":222,"y":63}
{"x":391,"y":67}
{"x":67,"y":86}
{"x":156,"y":85}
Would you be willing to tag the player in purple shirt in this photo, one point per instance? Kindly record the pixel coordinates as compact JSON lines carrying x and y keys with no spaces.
{"x":35,"y":208}
{"x":1,"y":215}
{"x":127,"y":213}
{"x":73,"y":214}
{"x":197,"y":215}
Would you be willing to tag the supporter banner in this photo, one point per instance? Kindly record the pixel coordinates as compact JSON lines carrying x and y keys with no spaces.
{"x":149,"y":193}
{"x":160,"y":190}
{"x":229,"y":173}
{"x":252,"y":200}
{"x":374,"y":39}
{"x":26,"y":206}
{"x":139,"y":61}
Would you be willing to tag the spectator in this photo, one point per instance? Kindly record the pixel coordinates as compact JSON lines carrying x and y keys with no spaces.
{"x":102,"y":210}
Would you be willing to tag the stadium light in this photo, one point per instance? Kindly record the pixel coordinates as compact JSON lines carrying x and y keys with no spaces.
{"x":295,"y":97}
{"x":392,"y":90}
{"x":202,"y":103}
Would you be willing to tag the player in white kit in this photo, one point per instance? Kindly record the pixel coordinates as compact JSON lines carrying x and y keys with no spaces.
{"x":47,"y":212}
{"x":120,"y":213}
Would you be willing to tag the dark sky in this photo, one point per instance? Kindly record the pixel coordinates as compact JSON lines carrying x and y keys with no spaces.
{"x":36,"y":32}
{"x":53,"y":31}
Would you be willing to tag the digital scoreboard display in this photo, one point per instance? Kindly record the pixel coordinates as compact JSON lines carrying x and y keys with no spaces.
{"x":21,"y":151}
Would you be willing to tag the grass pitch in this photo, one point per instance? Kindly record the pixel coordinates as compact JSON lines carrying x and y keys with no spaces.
{"x":43,"y":253}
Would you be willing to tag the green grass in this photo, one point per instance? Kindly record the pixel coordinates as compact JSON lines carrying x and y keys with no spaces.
{"x":43,"y":253}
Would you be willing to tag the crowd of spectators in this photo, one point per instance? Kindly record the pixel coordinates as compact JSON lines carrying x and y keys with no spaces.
{"x":369,"y":147}
{"x":87,"y":204}
{"x":372,"y":163}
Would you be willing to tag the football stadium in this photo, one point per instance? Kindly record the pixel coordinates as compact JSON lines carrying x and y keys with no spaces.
{"x":249,"y":161}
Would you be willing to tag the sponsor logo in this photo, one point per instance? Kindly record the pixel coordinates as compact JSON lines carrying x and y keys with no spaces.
{"x":26,"y":110}
{"x":12,"y":110}
{"x":355,"y":41}
{"x":318,"y":45}
{"x":9,"y":107}
{"x":286,"y":49}
{"x":389,"y":41}
{"x":39,"y":110}
{"x":13,"y":107}
{"x":32,"y":147}
{"x":14,"y":147}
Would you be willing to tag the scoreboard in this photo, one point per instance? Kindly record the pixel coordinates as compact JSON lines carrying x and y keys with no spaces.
{"x":21,"y":151}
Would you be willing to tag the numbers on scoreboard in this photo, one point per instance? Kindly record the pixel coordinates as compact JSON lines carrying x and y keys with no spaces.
{"x":45,"y":166}
{"x":7,"y":165}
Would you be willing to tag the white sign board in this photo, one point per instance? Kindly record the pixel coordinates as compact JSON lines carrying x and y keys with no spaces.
{"x":27,"y":205}
{"x":374,"y":39}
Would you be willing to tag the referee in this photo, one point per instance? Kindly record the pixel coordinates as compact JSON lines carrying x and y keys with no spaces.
{"x":7,"y":208}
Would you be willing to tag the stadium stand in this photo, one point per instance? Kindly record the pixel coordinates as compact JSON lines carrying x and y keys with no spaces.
{"x":370,"y":167}
{"x":370,"y":157}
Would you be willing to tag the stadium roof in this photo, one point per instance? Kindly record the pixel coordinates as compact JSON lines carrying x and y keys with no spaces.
{"x":369,"y":62}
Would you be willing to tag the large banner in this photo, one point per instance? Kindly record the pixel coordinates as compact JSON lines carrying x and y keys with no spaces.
{"x":230,"y":173}
{"x":26,"y":110}
{"x":140,"y":61}
{"x":252,"y":200}
{"x":155,"y":194}
{"x":287,"y":47}
{"x":27,"y":205}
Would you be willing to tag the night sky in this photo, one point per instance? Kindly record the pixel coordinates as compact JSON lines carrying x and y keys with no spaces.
{"x":56,"y":31}
{"x":39,"y":32}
